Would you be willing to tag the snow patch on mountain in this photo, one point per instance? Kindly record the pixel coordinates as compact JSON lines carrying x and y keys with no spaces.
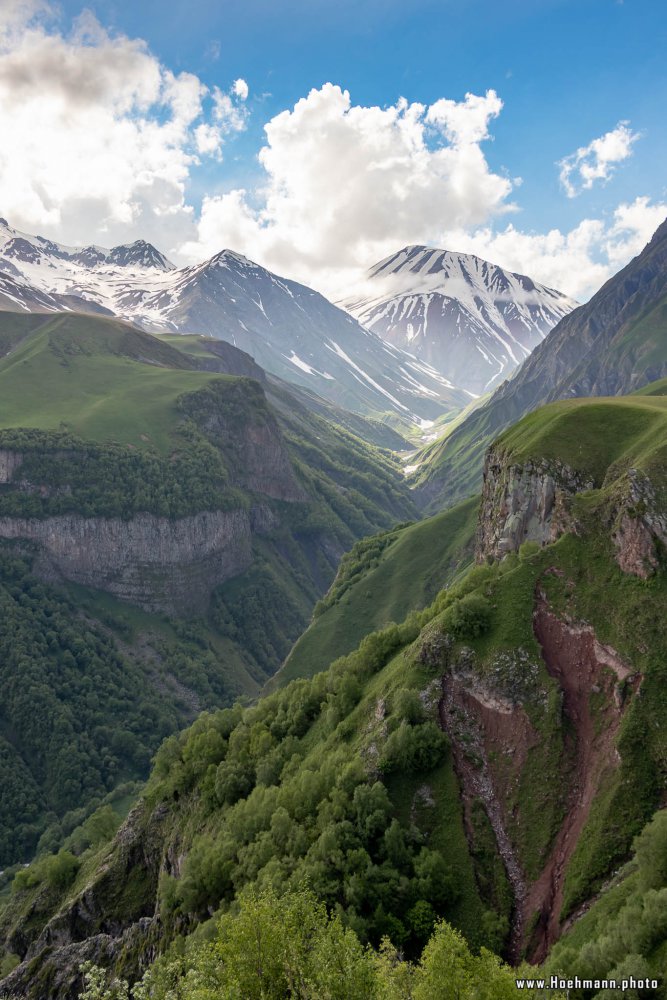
{"x":290,"y":330}
{"x":296,"y":360}
{"x":468,"y":318}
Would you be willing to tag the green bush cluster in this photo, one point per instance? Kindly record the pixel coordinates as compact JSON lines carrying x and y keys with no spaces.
{"x":275,"y":946}
{"x":61,"y":474}
{"x":468,"y":617}
{"x":58,"y":871}
{"x":625,"y":932}
{"x":414,"y":748}
{"x":283,"y":816}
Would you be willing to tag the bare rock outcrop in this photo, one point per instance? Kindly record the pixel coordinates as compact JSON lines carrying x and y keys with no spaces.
{"x":530,"y":502}
{"x":156,"y":562}
{"x":10,"y":461}
{"x":111,"y":921}
{"x":524,"y":503}
{"x":640,"y":530}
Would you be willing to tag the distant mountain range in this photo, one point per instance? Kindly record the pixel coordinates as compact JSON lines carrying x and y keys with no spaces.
{"x":290,"y":330}
{"x":614,"y":344}
{"x":467,"y":318}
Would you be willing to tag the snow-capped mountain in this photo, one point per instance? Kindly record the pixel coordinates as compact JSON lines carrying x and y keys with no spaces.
{"x":290,"y":330}
{"x":469,"y":319}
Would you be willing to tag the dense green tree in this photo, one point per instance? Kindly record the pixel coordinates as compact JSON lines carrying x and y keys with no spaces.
{"x":273,"y":947}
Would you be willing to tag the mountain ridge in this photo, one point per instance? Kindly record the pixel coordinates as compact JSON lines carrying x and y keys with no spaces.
{"x":472,"y":320}
{"x":611,"y":345}
{"x":291,"y":330}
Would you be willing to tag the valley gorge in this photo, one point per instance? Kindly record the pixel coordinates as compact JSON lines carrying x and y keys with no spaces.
{"x":269,"y":673}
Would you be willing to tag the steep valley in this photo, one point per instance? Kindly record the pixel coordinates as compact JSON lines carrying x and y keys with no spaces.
{"x":488,"y":760}
{"x":186,"y":524}
{"x":445,"y":736}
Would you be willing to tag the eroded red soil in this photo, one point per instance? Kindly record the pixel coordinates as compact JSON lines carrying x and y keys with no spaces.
{"x":479,"y":727}
{"x":484,"y":728}
{"x":583,"y":667}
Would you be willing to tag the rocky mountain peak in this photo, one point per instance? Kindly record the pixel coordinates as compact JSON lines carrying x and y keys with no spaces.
{"x":472,"y":320}
{"x":138,"y":254}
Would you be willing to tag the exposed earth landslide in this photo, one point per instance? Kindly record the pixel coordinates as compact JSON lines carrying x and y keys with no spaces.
{"x":585,"y":669}
{"x":492,"y":733}
{"x":492,"y":736}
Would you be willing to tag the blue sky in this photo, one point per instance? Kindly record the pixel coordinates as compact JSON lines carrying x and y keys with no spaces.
{"x":567,"y":73}
{"x":566,"y":70}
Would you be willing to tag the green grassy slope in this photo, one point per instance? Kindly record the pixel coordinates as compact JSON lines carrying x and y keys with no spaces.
{"x":14,"y":327}
{"x":593,"y":435}
{"x":381,"y":580}
{"x":97,"y":378}
{"x":624,"y":932}
{"x":345,"y":779}
{"x":658,"y":388}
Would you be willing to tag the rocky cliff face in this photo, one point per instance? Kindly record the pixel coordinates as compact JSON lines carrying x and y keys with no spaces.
{"x":523,"y":503}
{"x":264,"y":463}
{"x":530,"y":502}
{"x":640,"y":529}
{"x":111,"y":921}
{"x":157,"y":563}
{"x":168,"y":564}
{"x":236,"y":419}
{"x":10,"y":461}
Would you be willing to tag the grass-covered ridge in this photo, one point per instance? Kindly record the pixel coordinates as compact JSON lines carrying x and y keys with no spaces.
{"x":101,"y":413}
{"x":99,"y":379}
{"x":381,"y":580}
{"x":171,"y":438}
{"x":592,"y":436}
{"x":658,"y":388}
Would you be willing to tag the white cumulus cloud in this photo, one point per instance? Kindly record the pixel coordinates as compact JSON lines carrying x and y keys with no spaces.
{"x":466,"y":121}
{"x":597,"y":161}
{"x":99,"y":142}
{"x":576,"y":262}
{"x":241,"y":90}
{"x":98,"y":138}
{"x":346,"y":184}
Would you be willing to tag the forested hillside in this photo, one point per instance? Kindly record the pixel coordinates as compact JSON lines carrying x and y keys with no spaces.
{"x":164,"y":535}
{"x":488,"y":761}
